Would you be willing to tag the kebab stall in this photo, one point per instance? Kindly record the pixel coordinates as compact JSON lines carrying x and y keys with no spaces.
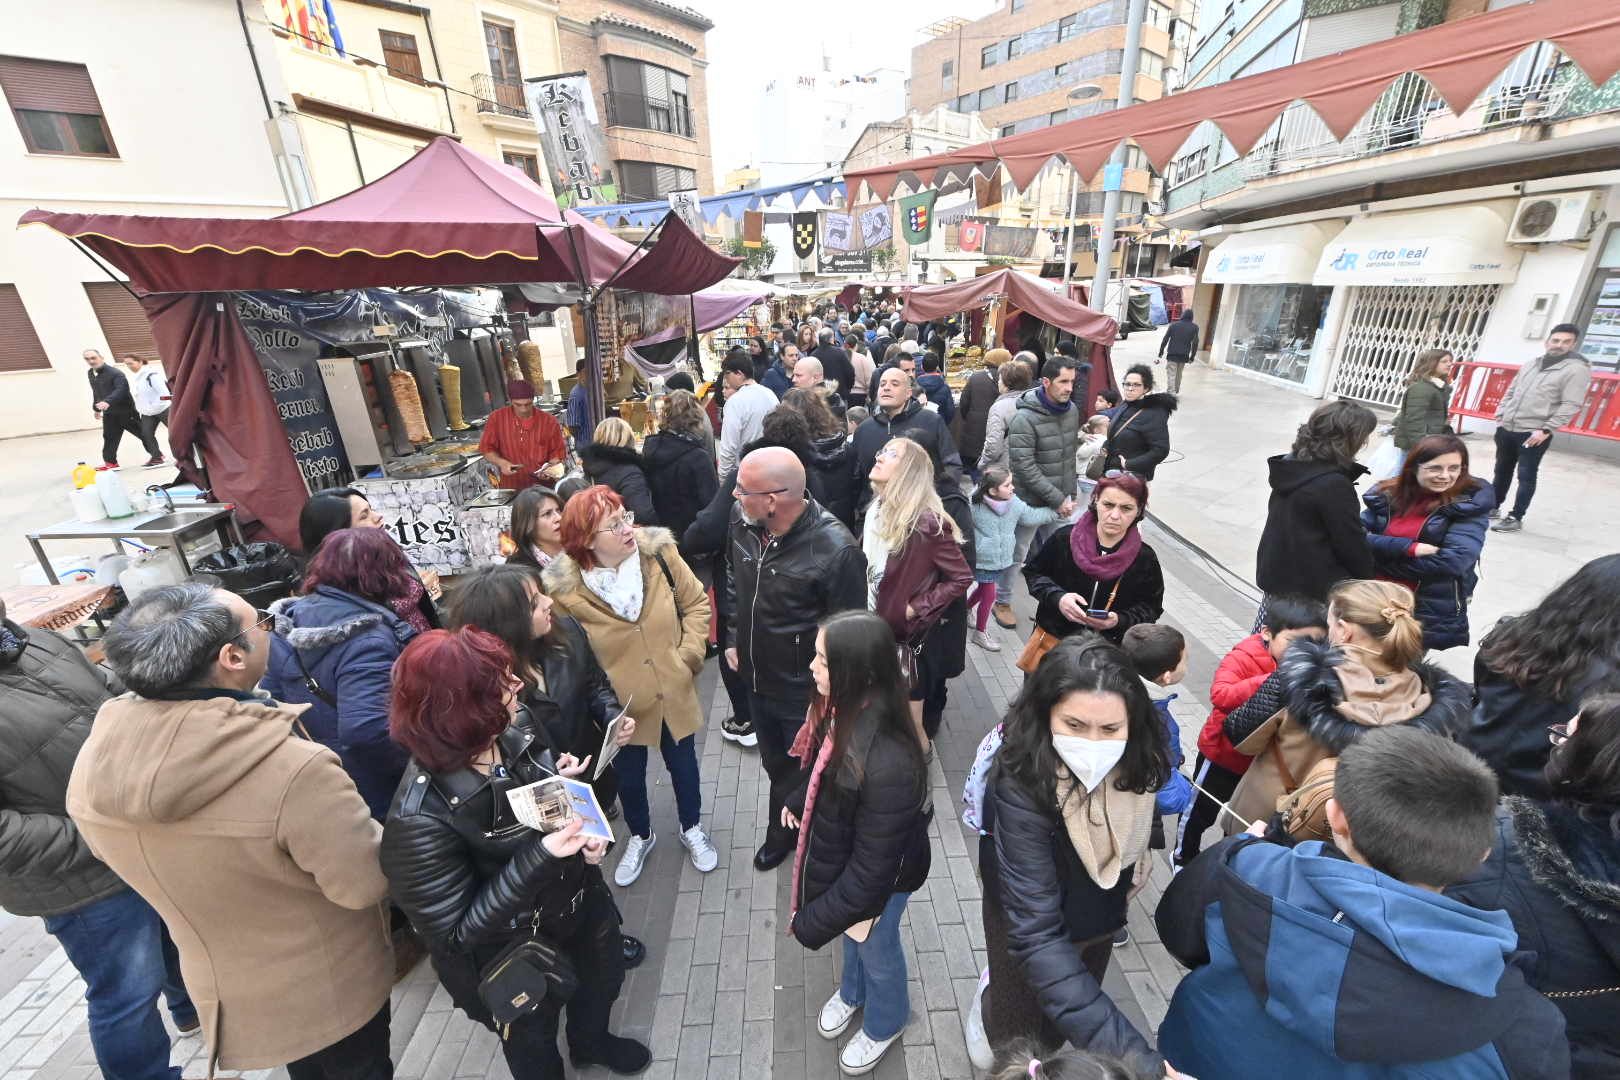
{"x":446,"y":219}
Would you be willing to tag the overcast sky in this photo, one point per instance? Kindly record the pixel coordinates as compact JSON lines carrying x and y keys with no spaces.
{"x":752,"y":42}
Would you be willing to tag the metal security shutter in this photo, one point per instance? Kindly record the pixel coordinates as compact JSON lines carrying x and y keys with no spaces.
{"x":48,"y":86}
{"x":20,"y":349}
{"x":1328,"y":34}
{"x":1389,"y":325}
{"x":122,"y":319}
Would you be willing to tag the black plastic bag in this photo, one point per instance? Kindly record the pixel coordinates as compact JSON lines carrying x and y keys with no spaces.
{"x":260,"y":573}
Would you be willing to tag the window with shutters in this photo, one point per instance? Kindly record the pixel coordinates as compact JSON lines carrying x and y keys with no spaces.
{"x":123,"y":320}
{"x":20,"y":349}
{"x":642,"y":180}
{"x":529,"y":163}
{"x":647,"y":96}
{"x":56,"y":107}
{"x":400,"y":55}
{"x":505,"y":76}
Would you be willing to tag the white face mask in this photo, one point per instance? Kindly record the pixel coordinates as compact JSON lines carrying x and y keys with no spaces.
{"x":1088,"y":759}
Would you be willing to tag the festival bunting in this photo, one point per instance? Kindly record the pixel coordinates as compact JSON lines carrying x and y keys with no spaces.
{"x":753,"y":228}
{"x":971,"y":236}
{"x":877,"y":227}
{"x":837,"y":231}
{"x":804,"y":233}
{"x":917,"y":216}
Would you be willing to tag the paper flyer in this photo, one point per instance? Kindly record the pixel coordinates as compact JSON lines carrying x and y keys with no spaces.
{"x":547,"y":805}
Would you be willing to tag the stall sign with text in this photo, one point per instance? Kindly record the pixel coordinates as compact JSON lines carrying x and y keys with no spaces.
{"x":289,"y":358}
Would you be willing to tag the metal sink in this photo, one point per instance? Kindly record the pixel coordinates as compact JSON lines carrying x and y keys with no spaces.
{"x":180,"y":519}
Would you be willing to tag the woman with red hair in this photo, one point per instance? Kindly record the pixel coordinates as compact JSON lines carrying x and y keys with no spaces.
{"x":1098,"y":574}
{"x":647,"y":618}
{"x":475,"y":880}
{"x":334,"y":646}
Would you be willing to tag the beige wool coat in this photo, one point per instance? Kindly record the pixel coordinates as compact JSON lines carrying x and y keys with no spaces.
{"x":260,"y":855}
{"x":653,"y":662}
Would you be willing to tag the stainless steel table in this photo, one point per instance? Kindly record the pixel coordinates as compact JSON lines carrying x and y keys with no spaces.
{"x":163,"y":528}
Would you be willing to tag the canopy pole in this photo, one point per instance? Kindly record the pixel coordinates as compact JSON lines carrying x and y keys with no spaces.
{"x":104,"y":267}
{"x":595,"y":392}
{"x":1116,"y":163}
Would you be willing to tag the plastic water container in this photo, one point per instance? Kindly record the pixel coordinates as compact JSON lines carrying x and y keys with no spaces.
{"x":87,"y":505}
{"x":83,"y":475}
{"x":113,"y":495}
{"x":151,"y":570}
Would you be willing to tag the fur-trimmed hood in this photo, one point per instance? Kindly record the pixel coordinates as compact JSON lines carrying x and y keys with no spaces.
{"x":563,"y":575}
{"x":1313,"y":695}
{"x":328,"y":617}
{"x":1161,"y":400}
{"x":1573,"y":857}
{"x":597,"y":455}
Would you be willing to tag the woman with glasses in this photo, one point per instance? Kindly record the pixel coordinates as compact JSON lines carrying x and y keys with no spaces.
{"x":536,"y":528}
{"x":647,"y":618}
{"x":1427,"y":527}
{"x":1098,"y":574}
{"x":335,"y":645}
{"x":1554,"y":867}
{"x":1139,"y":434}
{"x":474,"y":879}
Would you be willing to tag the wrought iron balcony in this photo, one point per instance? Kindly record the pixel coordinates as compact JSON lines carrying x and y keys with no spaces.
{"x":629,"y":109}
{"x":501,"y":96}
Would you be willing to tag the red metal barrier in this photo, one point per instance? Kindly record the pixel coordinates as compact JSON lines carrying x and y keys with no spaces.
{"x":1479,"y":389}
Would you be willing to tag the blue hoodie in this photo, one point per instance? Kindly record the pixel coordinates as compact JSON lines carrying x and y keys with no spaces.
{"x":1310,"y":965}
{"x":933,"y":385}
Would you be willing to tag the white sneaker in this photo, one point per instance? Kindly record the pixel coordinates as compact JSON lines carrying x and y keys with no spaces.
{"x":634,"y":858}
{"x":835,"y":1016}
{"x":696,"y":841}
{"x":862,"y":1053}
{"x":983,"y":640}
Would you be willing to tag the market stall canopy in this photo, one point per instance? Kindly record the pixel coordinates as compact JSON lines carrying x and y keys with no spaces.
{"x":448,"y":216}
{"x":1459,"y":59}
{"x":1025,"y":291}
{"x":1285,"y":255}
{"x":1453,"y":245}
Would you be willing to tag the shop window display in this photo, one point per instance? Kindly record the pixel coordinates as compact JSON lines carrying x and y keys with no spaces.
{"x":1275,"y":328}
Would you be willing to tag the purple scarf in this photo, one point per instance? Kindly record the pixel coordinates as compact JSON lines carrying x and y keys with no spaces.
{"x":1052,"y":406}
{"x":408,"y":607}
{"x":1088,"y":554}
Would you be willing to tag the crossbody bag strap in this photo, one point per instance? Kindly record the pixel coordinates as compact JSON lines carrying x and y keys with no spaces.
{"x":1108,"y":450}
{"x":310,"y":683}
{"x":680,"y":616}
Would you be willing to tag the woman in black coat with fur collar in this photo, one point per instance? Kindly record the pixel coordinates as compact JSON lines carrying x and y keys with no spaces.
{"x":1554,"y":867}
{"x":611,"y":459}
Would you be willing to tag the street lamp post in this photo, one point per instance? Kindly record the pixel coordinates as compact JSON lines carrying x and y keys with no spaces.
{"x":1114,"y":175}
{"x":1083,"y":92}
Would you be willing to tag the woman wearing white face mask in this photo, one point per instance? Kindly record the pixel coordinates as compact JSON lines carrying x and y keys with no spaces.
{"x":1068,"y":809}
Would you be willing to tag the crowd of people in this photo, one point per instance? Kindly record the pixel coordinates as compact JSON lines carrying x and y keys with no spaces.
{"x":259,"y":815}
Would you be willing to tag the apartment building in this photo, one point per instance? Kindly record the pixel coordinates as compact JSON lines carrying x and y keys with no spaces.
{"x":1331,"y":263}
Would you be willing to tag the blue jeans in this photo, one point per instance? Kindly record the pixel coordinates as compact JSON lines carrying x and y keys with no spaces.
{"x":680,"y":758}
{"x":875,"y":974}
{"x":122,"y":950}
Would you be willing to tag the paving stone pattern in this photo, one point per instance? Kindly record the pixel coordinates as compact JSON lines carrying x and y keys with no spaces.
{"x":724,"y":994}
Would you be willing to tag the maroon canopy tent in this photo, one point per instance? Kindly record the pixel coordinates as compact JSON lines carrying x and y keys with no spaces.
{"x":446,"y":217}
{"x":1459,"y":59}
{"x":1030,"y":294}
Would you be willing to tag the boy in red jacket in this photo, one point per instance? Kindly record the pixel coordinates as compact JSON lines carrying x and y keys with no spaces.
{"x":1219,"y":765}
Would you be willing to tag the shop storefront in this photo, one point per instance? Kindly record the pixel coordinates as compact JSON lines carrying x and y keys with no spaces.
{"x":1416,"y":280}
{"x":1273,"y":316}
{"x":1599,"y":316}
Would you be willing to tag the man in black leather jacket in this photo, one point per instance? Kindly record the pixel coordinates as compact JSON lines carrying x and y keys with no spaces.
{"x":791,"y":565}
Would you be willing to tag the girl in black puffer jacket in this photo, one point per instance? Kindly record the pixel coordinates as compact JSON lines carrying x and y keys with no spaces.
{"x":863,"y":843}
{"x":611,"y":459}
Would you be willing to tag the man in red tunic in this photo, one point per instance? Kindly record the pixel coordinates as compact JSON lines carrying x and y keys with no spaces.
{"x":521,"y":441}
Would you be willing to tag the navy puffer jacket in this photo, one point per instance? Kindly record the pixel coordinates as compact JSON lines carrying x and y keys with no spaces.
{"x":1446,"y":579}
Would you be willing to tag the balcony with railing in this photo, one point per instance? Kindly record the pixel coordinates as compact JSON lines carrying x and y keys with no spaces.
{"x":500,"y":96}
{"x":1410,"y":114}
{"x":671,"y":115}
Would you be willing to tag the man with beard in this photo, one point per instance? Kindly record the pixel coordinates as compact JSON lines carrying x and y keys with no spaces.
{"x":1543,"y":397}
{"x":522,"y":441}
{"x":791,"y":565}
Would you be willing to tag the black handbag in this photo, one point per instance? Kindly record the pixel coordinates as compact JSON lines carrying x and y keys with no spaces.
{"x":526,"y":972}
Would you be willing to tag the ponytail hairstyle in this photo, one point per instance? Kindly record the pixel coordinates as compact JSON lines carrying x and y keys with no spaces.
{"x":1018,"y":1061}
{"x":1385,"y":611}
{"x":989,"y":480}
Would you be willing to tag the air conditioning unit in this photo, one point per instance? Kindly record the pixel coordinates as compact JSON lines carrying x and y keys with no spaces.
{"x":1548,"y":219}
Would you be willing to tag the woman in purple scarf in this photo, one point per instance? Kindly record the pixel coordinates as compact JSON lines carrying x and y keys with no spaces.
{"x":1097,"y":574}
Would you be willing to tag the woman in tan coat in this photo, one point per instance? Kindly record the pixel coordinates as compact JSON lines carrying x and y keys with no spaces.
{"x":1326,"y":694}
{"x":647,"y":617}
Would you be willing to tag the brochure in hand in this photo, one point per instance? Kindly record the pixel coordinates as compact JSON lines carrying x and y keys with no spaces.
{"x":549,"y":804}
{"x":610,"y":741}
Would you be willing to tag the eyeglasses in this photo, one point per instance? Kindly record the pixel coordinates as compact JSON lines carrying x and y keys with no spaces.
{"x":262,"y":619}
{"x":1437,"y":470}
{"x":741,"y":494}
{"x":1558,"y":734}
{"x":1133,"y":385}
{"x":627,"y":522}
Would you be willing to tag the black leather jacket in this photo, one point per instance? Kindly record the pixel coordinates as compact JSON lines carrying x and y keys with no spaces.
{"x":460,"y":864}
{"x":781,"y":589}
{"x":578,"y":700}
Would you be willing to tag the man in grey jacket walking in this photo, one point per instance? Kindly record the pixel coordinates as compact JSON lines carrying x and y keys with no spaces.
{"x":49,"y":694}
{"x":1543,"y":397}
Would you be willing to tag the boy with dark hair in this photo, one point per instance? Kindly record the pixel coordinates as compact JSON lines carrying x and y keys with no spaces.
{"x":1343,"y":959}
{"x":1159,"y":655}
{"x":932,"y":383}
{"x":1219,"y":766}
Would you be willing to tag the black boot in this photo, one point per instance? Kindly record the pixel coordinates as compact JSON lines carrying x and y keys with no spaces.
{"x":623,"y":1056}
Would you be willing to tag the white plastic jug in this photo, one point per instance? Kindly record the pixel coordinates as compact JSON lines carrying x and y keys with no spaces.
{"x":87,"y":505}
{"x":113,"y":495}
{"x":151,"y":570}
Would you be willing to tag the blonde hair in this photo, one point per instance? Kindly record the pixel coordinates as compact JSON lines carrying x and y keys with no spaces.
{"x":614,"y":431}
{"x":908,"y":494}
{"x":1385,"y":611}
